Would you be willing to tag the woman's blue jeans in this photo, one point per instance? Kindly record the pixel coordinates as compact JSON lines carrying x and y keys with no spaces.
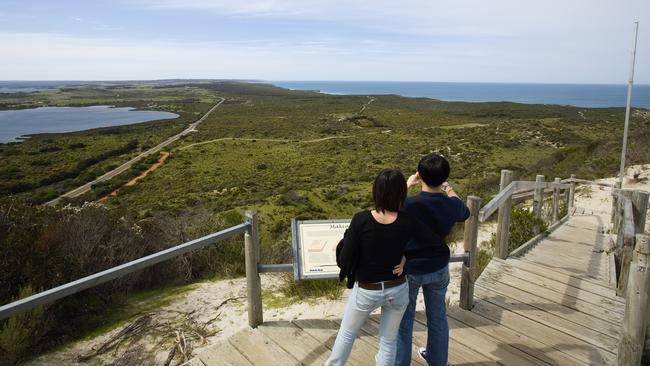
{"x":361,"y":303}
{"x":434,"y":288}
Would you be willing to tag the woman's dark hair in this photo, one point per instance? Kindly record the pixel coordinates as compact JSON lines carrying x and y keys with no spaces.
{"x":433,"y":169}
{"x":389,"y":190}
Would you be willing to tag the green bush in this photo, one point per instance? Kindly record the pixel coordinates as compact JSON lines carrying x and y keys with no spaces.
{"x":522,"y":223}
{"x":311,"y":289}
{"x":22,"y":331}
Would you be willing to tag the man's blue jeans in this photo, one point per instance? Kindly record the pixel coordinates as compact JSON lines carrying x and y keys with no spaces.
{"x":434,"y":289}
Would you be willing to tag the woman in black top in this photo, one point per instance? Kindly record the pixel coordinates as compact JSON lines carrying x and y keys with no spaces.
{"x":372,"y":247}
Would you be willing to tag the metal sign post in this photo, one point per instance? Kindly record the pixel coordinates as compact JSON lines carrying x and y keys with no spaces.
{"x":627,"y":108}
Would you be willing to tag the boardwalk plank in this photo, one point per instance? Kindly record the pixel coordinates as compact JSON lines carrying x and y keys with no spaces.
{"x":599,"y":322}
{"x":568,"y":267}
{"x":260,"y":350}
{"x":521,"y":341}
{"x":485,"y":345}
{"x":557,"y":292}
{"x":296,"y":342}
{"x":572,"y":346}
{"x":597,"y":339}
{"x":546,"y":269}
{"x":459,"y":353}
{"x":372,"y":328}
{"x":597,"y":288}
{"x":325,"y":332}
{"x":223,"y":354}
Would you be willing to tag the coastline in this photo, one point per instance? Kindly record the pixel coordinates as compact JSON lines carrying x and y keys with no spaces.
{"x":572,"y":95}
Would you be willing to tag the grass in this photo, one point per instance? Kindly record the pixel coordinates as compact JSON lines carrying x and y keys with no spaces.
{"x":309,"y":291}
{"x":134,"y":305}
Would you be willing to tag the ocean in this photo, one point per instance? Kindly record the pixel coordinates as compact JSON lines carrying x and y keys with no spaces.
{"x":579,"y":95}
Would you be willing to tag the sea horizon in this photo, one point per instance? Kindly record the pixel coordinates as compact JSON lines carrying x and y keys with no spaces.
{"x":578,"y":95}
{"x":582,"y":95}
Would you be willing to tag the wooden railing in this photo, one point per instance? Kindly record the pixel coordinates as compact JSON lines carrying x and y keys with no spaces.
{"x":509,"y":191}
{"x":632,"y":253}
{"x":249,"y":228}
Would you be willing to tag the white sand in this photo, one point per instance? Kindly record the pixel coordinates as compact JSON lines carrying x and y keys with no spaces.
{"x":198,"y":306}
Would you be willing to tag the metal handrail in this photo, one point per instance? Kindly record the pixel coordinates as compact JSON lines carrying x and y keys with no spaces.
{"x":93,"y":280}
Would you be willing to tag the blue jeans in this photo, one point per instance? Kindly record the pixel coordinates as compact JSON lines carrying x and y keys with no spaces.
{"x":361,"y":303}
{"x":434,"y":289}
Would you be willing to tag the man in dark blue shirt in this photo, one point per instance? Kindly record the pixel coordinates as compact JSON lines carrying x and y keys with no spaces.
{"x":438,"y":206}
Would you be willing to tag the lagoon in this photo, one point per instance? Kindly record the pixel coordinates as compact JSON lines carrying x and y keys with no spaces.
{"x":17,"y":123}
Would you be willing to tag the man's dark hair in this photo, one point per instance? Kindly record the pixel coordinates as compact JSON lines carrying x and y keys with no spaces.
{"x":433,"y":169}
{"x":389,"y":190}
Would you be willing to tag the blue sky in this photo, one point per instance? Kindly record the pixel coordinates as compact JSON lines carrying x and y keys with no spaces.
{"x":553,"y":41}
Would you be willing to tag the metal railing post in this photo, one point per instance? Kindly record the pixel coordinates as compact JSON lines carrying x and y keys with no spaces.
{"x":468,"y":273}
{"x":538,"y":203}
{"x":253,"y":282}
{"x":630,"y":347}
{"x":556,"y":201}
{"x":503,"y":223}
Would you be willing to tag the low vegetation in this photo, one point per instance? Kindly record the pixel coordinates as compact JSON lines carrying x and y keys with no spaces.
{"x":287,"y":154}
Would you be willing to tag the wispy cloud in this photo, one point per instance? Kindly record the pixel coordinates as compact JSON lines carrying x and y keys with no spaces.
{"x":460,"y":40}
{"x":71,"y":57}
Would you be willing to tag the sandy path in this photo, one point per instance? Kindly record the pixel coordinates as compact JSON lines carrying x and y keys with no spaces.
{"x":163,"y":156}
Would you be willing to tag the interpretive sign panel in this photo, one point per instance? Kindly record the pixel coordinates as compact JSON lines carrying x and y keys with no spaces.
{"x":314,"y":247}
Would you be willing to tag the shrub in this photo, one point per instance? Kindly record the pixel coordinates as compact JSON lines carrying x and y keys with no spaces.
{"x":21,"y":331}
{"x":522,"y":223}
{"x":309,"y":289}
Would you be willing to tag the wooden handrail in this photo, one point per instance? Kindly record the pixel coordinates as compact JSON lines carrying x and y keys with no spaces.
{"x":93,"y":280}
{"x":516,"y":187}
{"x":589,"y":182}
{"x":632,"y":340}
{"x":632,"y":253}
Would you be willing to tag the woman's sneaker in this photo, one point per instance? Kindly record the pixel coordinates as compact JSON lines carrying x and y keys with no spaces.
{"x":422,"y":352}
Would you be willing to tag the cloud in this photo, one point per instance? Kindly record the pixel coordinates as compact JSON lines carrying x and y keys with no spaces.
{"x":462,"y":40}
{"x":39,"y":56}
{"x":76,"y":19}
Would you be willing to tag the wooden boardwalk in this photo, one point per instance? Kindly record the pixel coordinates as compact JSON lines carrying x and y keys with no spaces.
{"x":555,"y":305}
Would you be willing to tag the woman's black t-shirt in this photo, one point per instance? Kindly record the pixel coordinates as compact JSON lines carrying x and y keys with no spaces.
{"x":377,"y":248}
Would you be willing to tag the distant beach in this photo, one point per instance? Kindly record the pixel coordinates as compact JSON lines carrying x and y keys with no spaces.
{"x":579,"y":95}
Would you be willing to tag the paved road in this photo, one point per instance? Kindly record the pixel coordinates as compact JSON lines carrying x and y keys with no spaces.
{"x":124,"y":167}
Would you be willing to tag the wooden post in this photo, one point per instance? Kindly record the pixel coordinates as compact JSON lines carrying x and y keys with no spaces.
{"x":468,"y":274}
{"x":538,"y":203}
{"x":253,"y":282}
{"x":616,"y":213}
{"x":572,"y":193}
{"x":640,"y":206}
{"x":625,"y":239}
{"x":503,"y":223}
{"x":630,"y":347}
{"x":556,"y":201}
